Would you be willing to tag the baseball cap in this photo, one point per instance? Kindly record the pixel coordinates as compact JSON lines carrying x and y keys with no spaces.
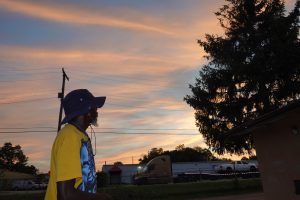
{"x":80,"y":102}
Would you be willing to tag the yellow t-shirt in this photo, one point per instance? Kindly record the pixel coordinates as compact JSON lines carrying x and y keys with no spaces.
{"x":71,"y":158}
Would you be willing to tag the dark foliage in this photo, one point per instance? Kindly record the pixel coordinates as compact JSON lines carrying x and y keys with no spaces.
{"x":253,"y":69}
{"x":12,"y":158}
{"x":102,"y":179}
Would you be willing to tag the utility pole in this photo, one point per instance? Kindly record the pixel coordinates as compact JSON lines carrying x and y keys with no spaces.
{"x":61,"y":97}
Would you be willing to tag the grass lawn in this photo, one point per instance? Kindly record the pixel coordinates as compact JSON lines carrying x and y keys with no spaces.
{"x":25,"y":196}
{"x":177,"y":191}
{"x":184,"y":190}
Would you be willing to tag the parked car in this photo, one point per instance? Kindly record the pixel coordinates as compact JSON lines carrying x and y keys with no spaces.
{"x":24,"y":185}
{"x":236,"y":166}
{"x":41,"y":185}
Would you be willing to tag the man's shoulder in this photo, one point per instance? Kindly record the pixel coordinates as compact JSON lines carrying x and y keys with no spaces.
{"x":69,"y":131}
{"x":68,"y":134}
{"x":67,"y":128}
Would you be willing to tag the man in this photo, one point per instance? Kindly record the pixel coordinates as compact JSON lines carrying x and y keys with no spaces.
{"x":72,"y":171}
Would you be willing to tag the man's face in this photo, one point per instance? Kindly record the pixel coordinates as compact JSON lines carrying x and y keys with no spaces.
{"x":93,"y":115}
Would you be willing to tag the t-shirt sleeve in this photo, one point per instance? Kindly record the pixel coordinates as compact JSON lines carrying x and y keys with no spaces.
{"x":68,"y":164}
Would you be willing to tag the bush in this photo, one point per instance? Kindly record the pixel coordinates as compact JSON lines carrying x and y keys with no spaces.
{"x":102,"y":179}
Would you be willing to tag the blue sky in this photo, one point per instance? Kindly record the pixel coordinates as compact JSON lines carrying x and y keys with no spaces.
{"x":140,"y":54}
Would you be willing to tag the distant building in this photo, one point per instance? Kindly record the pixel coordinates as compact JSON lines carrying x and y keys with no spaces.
{"x":277,"y":141}
{"x":7,"y":177}
{"x":123,"y":174}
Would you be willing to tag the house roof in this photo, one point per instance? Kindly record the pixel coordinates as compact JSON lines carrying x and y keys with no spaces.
{"x":115,"y":169}
{"x":268,"y":118}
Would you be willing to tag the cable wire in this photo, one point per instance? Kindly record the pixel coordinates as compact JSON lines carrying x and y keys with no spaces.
{"x":119,"y":133}
{"x":29,"y":100}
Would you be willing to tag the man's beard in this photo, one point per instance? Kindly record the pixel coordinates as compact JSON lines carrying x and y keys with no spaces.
{"x":92,"y":118}
{"x":94,"y":122}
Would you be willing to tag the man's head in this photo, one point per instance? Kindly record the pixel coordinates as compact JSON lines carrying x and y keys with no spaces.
{"x":81,"y":103}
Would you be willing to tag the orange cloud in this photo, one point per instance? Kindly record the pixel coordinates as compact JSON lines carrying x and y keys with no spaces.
{"x":105,"y":61}
{"x":77,"y":16}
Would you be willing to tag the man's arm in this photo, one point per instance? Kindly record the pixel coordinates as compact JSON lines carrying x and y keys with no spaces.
{"x":66,"y":191}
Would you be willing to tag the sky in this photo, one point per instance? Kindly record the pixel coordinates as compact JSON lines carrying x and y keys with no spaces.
{"x":141,"y":54}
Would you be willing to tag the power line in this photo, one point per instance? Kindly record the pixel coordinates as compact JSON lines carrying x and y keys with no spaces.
{"x":29,"y":100}
{"x":118,"y":133}
{"x":105,"y":128}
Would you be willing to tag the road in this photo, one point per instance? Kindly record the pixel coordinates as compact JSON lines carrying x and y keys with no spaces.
{"x":253,"y":196}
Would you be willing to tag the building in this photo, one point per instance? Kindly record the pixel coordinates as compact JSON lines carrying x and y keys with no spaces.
{"x":277,"y":141}
{"x":123,"y":174}
{"x":7,"y":177}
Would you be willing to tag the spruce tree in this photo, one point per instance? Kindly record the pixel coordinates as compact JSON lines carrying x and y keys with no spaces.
{"x":252,"y":69}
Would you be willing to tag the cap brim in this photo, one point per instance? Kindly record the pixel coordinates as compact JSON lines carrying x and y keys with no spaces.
{"x":99,"y":101}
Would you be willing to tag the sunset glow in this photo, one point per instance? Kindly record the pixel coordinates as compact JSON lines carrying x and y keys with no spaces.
{"x":141,"y":54}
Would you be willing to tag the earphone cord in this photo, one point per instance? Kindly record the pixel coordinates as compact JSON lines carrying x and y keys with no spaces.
{"x":93,"y":133}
